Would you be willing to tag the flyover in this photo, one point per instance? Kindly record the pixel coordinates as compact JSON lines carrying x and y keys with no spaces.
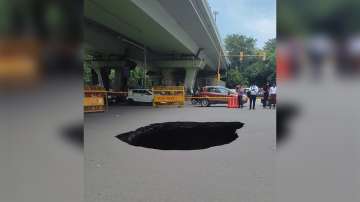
{"x":174,"y":41}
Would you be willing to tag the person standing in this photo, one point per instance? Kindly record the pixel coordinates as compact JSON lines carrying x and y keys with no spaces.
{"x":272,"y":93}
{"x":253,"y":93}
{"x":266,"y":89}
{"x":240,"y":91}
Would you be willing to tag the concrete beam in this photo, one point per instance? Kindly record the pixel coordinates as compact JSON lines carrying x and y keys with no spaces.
{"x":159,"y":14}
{"x":197,"y":64}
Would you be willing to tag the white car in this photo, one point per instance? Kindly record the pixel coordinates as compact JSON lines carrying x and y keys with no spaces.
{"x":140,"y":95}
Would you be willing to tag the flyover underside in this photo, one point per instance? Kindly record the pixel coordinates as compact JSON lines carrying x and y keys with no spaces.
{"x":111,"y":51}
{"x":122,"y":35}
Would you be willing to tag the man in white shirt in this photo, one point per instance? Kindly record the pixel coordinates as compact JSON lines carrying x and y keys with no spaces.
{"x":253,"y":93}
{"x":272,"y":94}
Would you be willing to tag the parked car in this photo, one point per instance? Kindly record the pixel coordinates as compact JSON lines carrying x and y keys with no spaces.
{"x":140,"y":96}
{"x":216,"y":95}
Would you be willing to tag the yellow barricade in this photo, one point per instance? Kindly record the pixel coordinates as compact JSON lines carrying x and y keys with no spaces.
{"x":169,"y":95}
{"x":95,"y":99}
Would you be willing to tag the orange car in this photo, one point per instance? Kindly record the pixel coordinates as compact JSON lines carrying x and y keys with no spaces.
{"x":216,"y":95}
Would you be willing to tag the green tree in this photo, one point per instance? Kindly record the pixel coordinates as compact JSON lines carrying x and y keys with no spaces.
{"x":270,"y":46}
{"x":235,"y":44}
{"x":236,"y":78}
{"x":136,"y":78}
{"x":87,"y":73}
{"x":251,"y":69}
{"x":270,"y":63}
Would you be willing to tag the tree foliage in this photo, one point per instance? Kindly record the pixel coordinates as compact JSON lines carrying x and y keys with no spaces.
{"x":235,"y":44}
{"x":87,"y":73}
{"x":251,"y":69}
{"x":235,"y":78}
{"x":136,"y":78}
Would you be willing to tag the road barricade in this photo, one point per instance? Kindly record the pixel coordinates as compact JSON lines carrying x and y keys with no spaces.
{"x":169,"y":95}
{"x":233,"y":102}
{"x":95,"y":99}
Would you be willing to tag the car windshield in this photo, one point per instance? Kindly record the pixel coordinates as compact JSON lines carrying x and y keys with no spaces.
{"x":222,"y":90}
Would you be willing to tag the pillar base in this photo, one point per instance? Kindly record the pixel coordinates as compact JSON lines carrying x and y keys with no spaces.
{"x":190,"y":76}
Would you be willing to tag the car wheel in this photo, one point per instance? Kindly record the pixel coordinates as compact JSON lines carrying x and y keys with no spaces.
{"x":205,"y":103}
{"x":194,"y":101}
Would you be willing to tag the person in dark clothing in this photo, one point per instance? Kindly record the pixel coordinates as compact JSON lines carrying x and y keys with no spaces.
{"x":266,"y":89}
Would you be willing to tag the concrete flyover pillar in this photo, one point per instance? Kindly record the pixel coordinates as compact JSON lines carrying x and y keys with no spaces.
{"x":94,"y":77}
{"x":96,"y":66}
{"x":104,"y":72}
{"x":122,"y":75}
{"x":98,"y":81}
{"x":155,"y":77}
{"x":118,"y":84}
{"x":167,"y":77}
{"x":190,"y":76}
{"x":191,"y":67}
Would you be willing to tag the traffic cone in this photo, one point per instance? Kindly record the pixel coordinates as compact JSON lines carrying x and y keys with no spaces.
{"x":236,"y":102}
{"x":233,"y":102}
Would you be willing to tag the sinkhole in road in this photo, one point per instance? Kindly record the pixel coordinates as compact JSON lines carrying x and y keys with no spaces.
{"x":182,"y":135}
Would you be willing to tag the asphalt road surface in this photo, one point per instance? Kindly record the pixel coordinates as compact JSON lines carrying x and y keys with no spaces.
{"x":242,"y":171}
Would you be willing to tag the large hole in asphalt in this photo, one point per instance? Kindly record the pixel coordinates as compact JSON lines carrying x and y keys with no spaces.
{"x":182,"y":135}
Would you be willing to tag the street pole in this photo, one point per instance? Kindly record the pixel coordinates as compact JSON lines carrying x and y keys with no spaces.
{"x":145,"y":67}
{"x":218,"y":68}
